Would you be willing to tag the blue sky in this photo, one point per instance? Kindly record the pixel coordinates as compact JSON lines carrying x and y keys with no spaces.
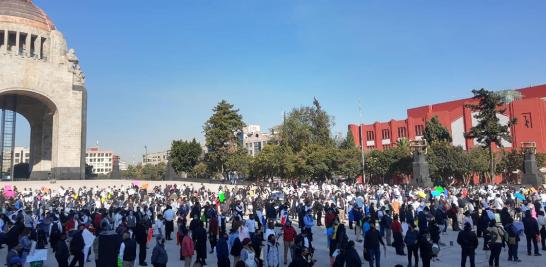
{"x":156,"y":68}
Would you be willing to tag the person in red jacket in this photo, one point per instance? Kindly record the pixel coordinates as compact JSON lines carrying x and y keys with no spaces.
{"x":213,"y":232}
{"x":186,"y":246}
{"x":289,"y":235}
{"x":396,"y":228}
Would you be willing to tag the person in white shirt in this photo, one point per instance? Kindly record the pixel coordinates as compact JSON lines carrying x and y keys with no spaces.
{"x":159,"y":226}
{"x":169,"y":215}
{"x":251,"y":225}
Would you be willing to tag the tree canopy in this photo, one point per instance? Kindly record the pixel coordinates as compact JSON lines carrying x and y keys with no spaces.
{"x":185,"y":155}
{"x":221,"y":131}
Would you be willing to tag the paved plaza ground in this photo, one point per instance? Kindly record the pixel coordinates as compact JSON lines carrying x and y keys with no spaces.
{"x":449,"y":255}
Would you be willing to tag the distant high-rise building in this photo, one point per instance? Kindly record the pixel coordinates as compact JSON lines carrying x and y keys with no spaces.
{"x":100,"y":160}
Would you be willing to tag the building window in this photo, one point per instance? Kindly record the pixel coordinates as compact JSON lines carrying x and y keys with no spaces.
{"x":371,"y":147}
{"x":386,"y":134}
{"x":370,"y":135}
{"x":16,"y":154}
{"x":402,"y":132}
{"x":419,"y":130}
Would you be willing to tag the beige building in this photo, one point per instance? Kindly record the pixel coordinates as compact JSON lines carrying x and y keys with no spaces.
{"x":253,"y":139}
{"x":41,"y":79}
{"x":156,"y":158}
{"x":100,"y":160}
{"x":21,"y":155}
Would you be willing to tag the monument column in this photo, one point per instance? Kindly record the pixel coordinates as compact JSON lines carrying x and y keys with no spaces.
{"x":38,"y":46}
{"x":6,"y":35}
{"x":17,"y":38}
{"x":27,"y":43}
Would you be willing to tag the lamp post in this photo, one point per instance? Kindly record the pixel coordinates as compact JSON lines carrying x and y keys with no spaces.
{"x":361,"y":126}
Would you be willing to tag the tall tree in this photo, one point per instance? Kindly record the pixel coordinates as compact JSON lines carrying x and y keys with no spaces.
{"x":435,"y":131}
{"x":489,"y":131}
{"x":306,"y":125}
{"x":221,"y":131}
{"x":273,"y":161}
{"x":184,"y":155}
{"x":447,"y":163}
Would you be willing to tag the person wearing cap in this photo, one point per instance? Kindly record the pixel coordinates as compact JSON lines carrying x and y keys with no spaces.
{"x":468,"y":240}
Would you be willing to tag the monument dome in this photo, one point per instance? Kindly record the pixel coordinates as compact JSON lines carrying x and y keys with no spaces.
{"x":24,"y":12}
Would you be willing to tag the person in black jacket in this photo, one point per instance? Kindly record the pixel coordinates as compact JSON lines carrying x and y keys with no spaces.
{"x":468,"y":241}
{"x":372,"y":240}
{"x":301,"y":258}
{"x":411,"y":241}
{"x":425,"y":246}
{"x":200,"y":238}
{"x":129,"y":250}
{"x":76,"y":247}
{"x":141,"y":237}
{"x":352,"y":259}
{"x":61,"y":251}
{"x":531,"y":230}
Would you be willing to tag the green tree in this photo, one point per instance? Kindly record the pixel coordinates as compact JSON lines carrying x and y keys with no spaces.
{"x":348,"y":142}
{"x":509,"y":163}
{"x":200,"y":170}
{"x":154,"y":172}
{"x":435,"y":131}
{"x":185,"y":155}
{"x":316,"y":161}
{"x":221,"y":131}
{"x":447,"y":162}
{"x":400,"y":160}
{"x":273,"y":161}
{"x":479,"y":163}
{"x":489,"y":131}
{"x":306,"y":125}
{"x":239,"y":162}
{"x":378,"y":164}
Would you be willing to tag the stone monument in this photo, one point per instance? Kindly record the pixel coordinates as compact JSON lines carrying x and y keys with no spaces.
{"x":421,"y":175}
{"x":45,"y":78}
{"x":531,"y":175}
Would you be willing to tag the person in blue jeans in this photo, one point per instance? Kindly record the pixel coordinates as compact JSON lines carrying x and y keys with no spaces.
{"x":372,"y":240}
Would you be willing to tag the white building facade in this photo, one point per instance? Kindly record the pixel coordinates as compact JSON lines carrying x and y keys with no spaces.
{"x":156,"y":158}
{"x":253,"y":139}
{"x":100,"y":160}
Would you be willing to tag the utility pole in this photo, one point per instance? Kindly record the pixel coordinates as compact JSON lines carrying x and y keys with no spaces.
{"x":361,"y":126}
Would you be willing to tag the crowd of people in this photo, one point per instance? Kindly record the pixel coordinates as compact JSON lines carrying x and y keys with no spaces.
{"x":269,"y":224}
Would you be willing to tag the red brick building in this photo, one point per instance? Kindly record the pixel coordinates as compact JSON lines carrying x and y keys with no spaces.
{"x":529,"y":110}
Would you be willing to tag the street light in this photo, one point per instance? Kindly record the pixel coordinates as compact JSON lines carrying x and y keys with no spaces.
{"x":361,"y":126}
